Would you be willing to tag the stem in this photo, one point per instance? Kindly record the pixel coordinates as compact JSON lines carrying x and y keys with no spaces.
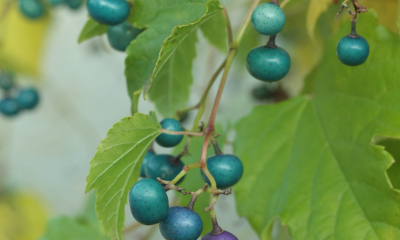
{"x":195,"y":195}
{"x":216,"y":147}
{"x":185,"y":170}
{"x":271,"y":42}
{"x":132,"y":227}
{"x":197,"y":134}
{"x":275,"y":2}
{"x":353,"y":25}
{"x":228,"y":26}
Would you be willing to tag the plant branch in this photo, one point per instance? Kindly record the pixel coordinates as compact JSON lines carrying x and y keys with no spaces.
{"x":131,"y":227}
{"x":228,"y":26}
{"x":188,"y":133}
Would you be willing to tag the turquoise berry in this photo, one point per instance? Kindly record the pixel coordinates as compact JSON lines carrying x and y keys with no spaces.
{"x":28,"y":98}
{"x":32,"y":9}
{"x":6,"y":81}
{"x":352,"y":50}
{"x":168,"y":140}
{"x":268,"y":64}
{"x":109,"y":12}
{"x":74,"y":4}
{"x":146,"y":159}
{"x":225,"y":235}
{"x":9,"y":107}
{"x":121,"y":35}
{"x":226,"y":170}
{"x":268,"y":19}
{"x":148,"y":202}
{"x":56,"y":2}
{"x":181,"y":224}
{"x":161,"y":166}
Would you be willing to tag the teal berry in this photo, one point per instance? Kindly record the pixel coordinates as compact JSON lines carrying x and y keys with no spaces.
{"x":28,"y":98}
{"x":352,"y":50}
{"x":109,"y":12}
{"x":32,"y":9}
{"x":226,"y":170}
{"x":6,"y":81}
{"x":148,"y":202}
{"x":181,"y":224}
{"x":162,"y":166}
{"x":268,"y":19}
{"x":9,"y":107}
{"x":121,"y":35}
{"x":56,"y":2}
{"x":74,"y":4}
{"x":268,"y":64}
{"x":149,"y":155}
{"x":168,"y":140}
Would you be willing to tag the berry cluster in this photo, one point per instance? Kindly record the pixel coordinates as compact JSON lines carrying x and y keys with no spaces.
{"x":14,"y":100}
{"x":35,"y":9}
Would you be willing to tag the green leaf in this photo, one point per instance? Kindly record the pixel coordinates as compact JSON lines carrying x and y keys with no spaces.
{"x":398,"y":17}
{"x":116,"y":167}
{"x":92,"y":29}
{"x":315,"y":9}
{"x":171,"y":87}
{"x":393,"y":147}
{"x":154,"y":118}
{"x":215,"y":31}
{"x":310,"y":161}
{"x":70,"y":229}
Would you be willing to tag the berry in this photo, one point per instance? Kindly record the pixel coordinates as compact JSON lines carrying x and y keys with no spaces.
{"x":56,"y":2}
{"x":262,"y":93}
{"x":161,"y":166}
{"x":74,"y":4}
{"x":268,"y":19}
{"x":146,"y":159}
{"x":110,"y":12}
{"x":6,"y":81}
{"x":32,"y":9}
{"x":181,"y":224}
{"x":28,"y":98}
{"x":268,"y":64}
{"x":352,"y":50}
{"x":168,"y":140}
{"x":221,"y":236}
{"x":121,"y":35}
{"x":9,"y":107}
{"x":226,"y":170}
{"x":148,"y":202}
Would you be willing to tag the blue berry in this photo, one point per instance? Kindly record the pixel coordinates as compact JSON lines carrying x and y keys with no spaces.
{"x":268,"y":64}
{"x":181,"y":224}
{"x":352,"y":50}
{"x":148,"y":202}
{"x":110,"y":12}
{"x":121,"y":35}
{"x":268,"y":19}
{"x":226,"y":170}
{"x":160,"y":166}
{"x":74,"y":4}
{"x":6,"y":81}
{"x":28,"y":98}
{"x":32,"y":9}
{"x":221,"y":236}
{"x":168,"y":140}
{"x":146,"y":159}
{"x":9,"y":107}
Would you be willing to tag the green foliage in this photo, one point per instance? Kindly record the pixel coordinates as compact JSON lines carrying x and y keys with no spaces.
{"x":393,"y":147}
{"x":116,"y":167}
{"x":310,"y":160}
{"x":215,"y":31}
{"x":91,"y":29}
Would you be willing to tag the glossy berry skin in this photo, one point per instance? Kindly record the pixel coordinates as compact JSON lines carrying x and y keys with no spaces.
{"x":268,"y":19}
{"x":181,"y":224}
{"x":28,"y":98}
{"x":146,"y":159}
{"x":226,"y":170}
{"x":121,"y":35}
{"x":74,"y":4}
{"x":160,"y":166}
{"x":6,"y":81}
{"x":268,"y":64}
{"x":148,"y":202}
{"x":9,"y":107}
{"x":222,"y":236}
{"x":352,"y":50}
{"x":32,"y":9}
{"x":168,"y":140}
{"x":109,"y":12}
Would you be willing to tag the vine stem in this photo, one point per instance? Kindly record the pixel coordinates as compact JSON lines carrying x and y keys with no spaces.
{"x":188,"y":133}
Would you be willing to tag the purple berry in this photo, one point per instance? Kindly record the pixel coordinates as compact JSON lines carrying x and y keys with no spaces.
{"x":225,"y":235}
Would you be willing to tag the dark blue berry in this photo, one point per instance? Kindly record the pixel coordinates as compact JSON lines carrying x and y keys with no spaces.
{"x":121,"y":35}
{"x":146,"y":159}
{"x":28,"y":98}
{"x":268,"y":19}
{"x":268,"y":64}
{"x":168,"y":140}
{"x":110,"y":12}
{"x":32,"y":9}
{"x":226,"y":170}
{"x":181,"y":224}
{"x":6,"y":81}
{"x":74,"y":4}
{"x":162,"y":166}
{"x":352,"y":50}
{"x":9,"y":107}
{"x":221,"y":236}
{"x":148,"y":202}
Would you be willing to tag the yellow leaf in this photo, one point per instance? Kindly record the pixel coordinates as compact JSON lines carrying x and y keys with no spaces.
{"x":315,"y":9}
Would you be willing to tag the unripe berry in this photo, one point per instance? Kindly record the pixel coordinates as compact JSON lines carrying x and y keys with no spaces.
{"x":169,"y":140}
{"x":121,"y":35}
{"x":9,"y":107}
{"x":74,"y":4}
{"x":149,"y":155}
{"x":352,"y":50}
{"x":28,"y":98}
{"x":6,"y":81}
{"x":162,"y":166}
{"x":32,"y":9}
{"x":109,"y":12}
{"x":268,"y":19}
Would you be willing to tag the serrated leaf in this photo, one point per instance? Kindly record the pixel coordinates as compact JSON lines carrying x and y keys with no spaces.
{"x":215,"y":31}
{"x":171,"y":87}
{"x":158,"y":17}
{"x":116,"y":167}
{"x":92,"y":29}
{"x":310,"y":161}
